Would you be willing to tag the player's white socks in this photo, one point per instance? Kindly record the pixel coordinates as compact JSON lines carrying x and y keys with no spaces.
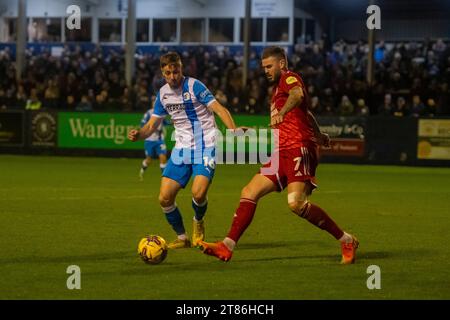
{"x":162,"y":165}
{"x":230,"y":243}
{"x":200,"y":204}
{"x":346,"y":238}
{"x":144,"y":165}
{"x":182,"y":236}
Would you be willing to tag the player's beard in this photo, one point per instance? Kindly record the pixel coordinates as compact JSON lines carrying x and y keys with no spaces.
{"x":275,"y":79}
{"x":175,"y":84}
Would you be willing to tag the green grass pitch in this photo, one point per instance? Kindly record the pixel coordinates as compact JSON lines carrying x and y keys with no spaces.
{"x":91,"y":212}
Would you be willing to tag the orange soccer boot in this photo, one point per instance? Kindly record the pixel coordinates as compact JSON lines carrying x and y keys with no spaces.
{"x":216,"y":249}
{"x":349,"y":251}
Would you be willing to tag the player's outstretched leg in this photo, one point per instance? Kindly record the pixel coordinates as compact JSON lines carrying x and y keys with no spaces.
{"x":298,"y":203}
{"x":241,"y":220}
{"x":257,"y":188}
{"x":168,"y":192}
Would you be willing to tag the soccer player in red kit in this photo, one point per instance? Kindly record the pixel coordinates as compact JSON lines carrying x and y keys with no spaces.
{"x":299,"y":137}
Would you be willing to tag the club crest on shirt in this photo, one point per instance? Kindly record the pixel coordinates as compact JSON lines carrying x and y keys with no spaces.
{"x":291,"y":80}
{"x":186,"y":96}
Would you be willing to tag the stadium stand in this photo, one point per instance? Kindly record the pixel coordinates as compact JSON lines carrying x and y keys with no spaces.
{"x":413,"y":77}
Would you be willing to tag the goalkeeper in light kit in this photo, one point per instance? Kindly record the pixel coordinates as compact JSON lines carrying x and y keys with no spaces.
{"x":296,"y":154}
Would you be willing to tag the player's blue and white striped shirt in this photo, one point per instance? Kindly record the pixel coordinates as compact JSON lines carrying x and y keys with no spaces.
{"x":158,"y":134}
{"x":194,"y":122}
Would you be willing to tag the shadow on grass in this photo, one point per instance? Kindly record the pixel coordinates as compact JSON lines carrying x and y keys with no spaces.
{"x":131,"y":257}
{"x":376,"y":255}
{"x":278,"y":244}
{"x":70,"y":259}
{"x":360,"y":256}
{"x":290,"y":257}
{"x":213,"y":265}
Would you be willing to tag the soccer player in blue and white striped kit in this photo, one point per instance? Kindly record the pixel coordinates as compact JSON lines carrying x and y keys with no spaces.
{"x":154,"y":145}
{"x":191,"y":107}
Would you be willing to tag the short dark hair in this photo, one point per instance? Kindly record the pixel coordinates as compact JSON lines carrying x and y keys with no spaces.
{"x":274,"y":51}
{"x":169,"y":58}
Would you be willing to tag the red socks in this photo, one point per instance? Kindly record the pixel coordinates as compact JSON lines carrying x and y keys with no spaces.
{"x":242,"y":218}
{"x":320,"y":218}
{"x":314,"y":214}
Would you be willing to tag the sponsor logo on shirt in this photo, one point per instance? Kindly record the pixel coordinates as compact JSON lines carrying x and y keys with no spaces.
{"x":175,"y":107}
{"x":291,"y":80}
{"x":204,"y":94}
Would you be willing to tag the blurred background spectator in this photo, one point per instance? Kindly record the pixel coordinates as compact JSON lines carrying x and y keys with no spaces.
{"x":33,"y":103}
{"x":407,"y":73}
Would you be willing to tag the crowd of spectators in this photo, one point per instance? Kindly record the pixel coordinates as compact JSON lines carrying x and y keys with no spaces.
{"x":411,"y":79}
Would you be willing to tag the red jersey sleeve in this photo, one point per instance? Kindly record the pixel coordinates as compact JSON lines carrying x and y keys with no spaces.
{"x":288,"y":81}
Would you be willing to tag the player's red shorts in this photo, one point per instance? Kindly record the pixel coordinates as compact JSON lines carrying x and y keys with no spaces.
{"x":297,"y":164}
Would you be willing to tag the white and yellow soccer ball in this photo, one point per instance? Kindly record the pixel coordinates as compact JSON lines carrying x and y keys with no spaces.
{"x":152,"y":249}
